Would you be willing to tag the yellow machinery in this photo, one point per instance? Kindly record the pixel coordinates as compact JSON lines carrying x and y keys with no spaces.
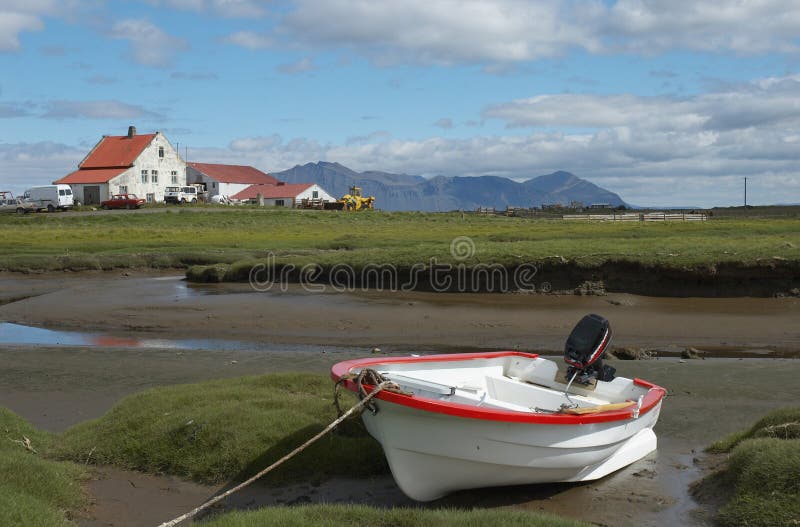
{"x":354,"y":201}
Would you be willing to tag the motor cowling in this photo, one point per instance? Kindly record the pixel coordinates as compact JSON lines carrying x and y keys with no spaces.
{"x":585,"y":348}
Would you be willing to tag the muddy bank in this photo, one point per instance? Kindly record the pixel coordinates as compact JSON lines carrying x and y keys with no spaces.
{"x":56,"y":386}
{"x":147,"y":307}
{"x":772,"y":277}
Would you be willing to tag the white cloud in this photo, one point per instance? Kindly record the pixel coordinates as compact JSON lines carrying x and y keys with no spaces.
{"x":225,"y":8}
{"x":9,"y":110}
{"x":27,"y":164}
{"x":497,"y":32}
{"x":651,"y":26}
{"x":438,"y":31}
{"x":63,"y":109}
{"x":295,"y":68}
{"x":12,"y":24}
{"x":194,"y":76}
{"x":18,"y":16}
{"x":150,"y":46}
{"x":249,"y":40}
{"x":766,"y":102}
{"x":444,"y":123}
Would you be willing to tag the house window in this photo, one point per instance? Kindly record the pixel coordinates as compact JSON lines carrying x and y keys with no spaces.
{"x":150,"y":198}
{"x":161,"y":152}
{"x":123,"y":189}
{"x":174,"y":175}
{"x":214,"y":184}
{"x":154,"y":174}
{"x":144,"y":176}
{"x":279,"y":203}
{"x":315,"y":194}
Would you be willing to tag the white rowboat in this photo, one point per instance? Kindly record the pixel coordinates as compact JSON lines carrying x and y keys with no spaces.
{"x":474,"y":420}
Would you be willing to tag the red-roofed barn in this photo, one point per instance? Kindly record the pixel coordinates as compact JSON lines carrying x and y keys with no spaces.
{"x":127,"y":164}
{"x":226,"y":180}
{"x":283,"y":194}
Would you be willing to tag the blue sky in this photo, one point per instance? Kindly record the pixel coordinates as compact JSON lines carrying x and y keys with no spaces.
{"x":664,"y":102}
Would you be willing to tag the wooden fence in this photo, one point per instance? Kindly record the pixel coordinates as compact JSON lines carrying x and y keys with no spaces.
{"x":648,"y":216}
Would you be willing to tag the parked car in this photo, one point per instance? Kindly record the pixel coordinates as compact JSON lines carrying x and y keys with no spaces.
{"x":122,"y":201}
{"x":180,"y":195}
{"x":20,"y":206}
{"x":50,"y":197}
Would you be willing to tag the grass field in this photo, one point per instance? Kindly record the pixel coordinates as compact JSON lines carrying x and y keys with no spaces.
{"x":172,"y":238}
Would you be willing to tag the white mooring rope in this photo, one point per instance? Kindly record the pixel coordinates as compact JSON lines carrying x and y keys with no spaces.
{"x":363,"y":402}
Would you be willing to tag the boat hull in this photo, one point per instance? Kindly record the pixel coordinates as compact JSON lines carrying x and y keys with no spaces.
{"x":431,"y":455}
{"x":472,"y":420}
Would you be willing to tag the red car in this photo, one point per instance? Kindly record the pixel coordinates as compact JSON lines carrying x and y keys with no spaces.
{"x":122,"y":201}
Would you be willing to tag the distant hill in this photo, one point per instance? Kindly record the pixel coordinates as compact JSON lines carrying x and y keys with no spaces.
{"x":440,"y":193}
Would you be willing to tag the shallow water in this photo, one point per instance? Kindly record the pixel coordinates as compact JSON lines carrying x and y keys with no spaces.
{"x":21,"y":335}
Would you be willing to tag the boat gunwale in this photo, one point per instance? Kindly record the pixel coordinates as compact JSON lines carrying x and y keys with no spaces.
{"x":650,"y":401}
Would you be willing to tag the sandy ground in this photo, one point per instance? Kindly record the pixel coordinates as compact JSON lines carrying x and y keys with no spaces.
{"x":57,"y":386}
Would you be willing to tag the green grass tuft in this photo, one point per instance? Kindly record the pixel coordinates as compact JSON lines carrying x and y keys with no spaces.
{"x":34,"y":491}
{"x":363,"y":516}
{"x":782,"y":423}
{"x":760,"y":482}
{"x":228,"y":429}
{"x":765,"y":473}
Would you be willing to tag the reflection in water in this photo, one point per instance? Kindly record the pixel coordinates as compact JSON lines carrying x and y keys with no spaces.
{"x":28,"y":335}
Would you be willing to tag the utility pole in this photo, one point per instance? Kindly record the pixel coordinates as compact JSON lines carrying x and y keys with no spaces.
{"x":745,"y":192}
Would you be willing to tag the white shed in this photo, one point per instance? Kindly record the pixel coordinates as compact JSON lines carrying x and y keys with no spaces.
{"x":226,"y":180}
{"x":284,"y":194}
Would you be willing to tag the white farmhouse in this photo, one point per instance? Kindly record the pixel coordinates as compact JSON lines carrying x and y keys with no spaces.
{"x":127,"y":164}
{"x":226,"y":180}
{"x":283,"y":194}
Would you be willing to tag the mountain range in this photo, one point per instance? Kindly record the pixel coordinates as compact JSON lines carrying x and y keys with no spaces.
{"x":441,"y":193}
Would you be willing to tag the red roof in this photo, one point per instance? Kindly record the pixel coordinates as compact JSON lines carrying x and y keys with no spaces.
{"x":117,"y":151}
{"x":234,"y":173}
{"x":272,"y":191}
{"x":94,"y":175}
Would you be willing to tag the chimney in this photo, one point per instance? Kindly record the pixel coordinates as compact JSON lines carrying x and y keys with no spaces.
{"x":131,"y":132}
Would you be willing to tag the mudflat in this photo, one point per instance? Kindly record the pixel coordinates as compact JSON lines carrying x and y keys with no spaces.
{"x":168,"y":307}
{"x":140,"y":316}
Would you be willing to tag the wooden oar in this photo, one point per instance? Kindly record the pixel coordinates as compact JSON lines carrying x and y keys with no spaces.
{"x":598,"y":408}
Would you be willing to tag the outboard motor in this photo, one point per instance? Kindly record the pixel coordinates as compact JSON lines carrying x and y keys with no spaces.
{"x":585,"y":348}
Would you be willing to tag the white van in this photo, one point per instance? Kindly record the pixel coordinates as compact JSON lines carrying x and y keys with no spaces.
{"x":50,"y":197}
{"x":180,"y":195}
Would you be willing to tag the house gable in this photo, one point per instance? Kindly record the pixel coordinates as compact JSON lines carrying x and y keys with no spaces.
{"x":117,"y":151}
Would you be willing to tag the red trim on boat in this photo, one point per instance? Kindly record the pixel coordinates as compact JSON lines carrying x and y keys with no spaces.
{"x":650,"y":401}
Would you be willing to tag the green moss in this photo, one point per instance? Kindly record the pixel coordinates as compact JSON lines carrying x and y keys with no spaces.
{"x":362,"y":516}
{"x":228,"y":429}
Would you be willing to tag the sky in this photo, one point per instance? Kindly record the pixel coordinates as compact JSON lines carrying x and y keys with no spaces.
{"x":666,"y":102}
